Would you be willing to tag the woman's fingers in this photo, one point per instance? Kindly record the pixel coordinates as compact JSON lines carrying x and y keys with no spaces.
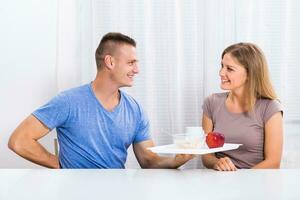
{"x":230,"y":164}
{"x":225,"y":164}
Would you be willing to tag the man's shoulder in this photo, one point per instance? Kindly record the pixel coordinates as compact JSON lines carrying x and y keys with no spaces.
{"x":129,"y":99}
{"x":131,"y":103}
{"x":76,"y":91}
{"x":74,"y":95}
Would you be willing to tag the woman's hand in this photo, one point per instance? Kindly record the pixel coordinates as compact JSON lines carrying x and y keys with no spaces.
{"x":224,"y":164}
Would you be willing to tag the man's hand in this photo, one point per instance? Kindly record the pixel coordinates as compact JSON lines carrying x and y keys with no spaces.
{"x":148,"y":159}
{"x":181,"y":159}
{"x":224,"y":164}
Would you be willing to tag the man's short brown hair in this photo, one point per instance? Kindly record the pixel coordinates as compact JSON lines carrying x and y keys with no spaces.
{"x":108,"y":45}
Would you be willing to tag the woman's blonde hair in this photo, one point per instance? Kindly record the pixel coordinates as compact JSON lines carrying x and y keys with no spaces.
{"x":253,"y":60}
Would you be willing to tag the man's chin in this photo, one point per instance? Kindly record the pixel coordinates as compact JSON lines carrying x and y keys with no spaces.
{"x":127,"y":85}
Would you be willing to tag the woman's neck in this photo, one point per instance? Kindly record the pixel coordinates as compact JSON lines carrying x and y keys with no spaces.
{"x":236,"y":102}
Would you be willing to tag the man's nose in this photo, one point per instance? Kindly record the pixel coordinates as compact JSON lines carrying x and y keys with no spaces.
{"x":136,"y":69}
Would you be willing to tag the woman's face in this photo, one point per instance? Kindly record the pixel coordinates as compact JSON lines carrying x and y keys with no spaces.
{"x":233,"y":74}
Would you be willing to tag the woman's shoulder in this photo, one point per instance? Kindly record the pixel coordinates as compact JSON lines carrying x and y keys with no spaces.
{"x":268,"y":107}
{"x":269,"y":103}
{"x":214,"y":101}
{"x":217,"y":97}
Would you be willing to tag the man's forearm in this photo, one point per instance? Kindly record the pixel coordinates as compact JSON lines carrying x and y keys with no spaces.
{"x":168,"y":162}
{"x":209,"y":160}
{"x":36,"y":153}
{"x":156,"y":162}
{"x":165,"y":162}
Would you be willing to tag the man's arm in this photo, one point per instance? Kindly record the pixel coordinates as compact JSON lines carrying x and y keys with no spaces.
{"x":148,"y":159}
{"x":24,"y":142}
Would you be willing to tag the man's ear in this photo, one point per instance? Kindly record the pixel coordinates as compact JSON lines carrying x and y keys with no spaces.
{"x":108,"y":60}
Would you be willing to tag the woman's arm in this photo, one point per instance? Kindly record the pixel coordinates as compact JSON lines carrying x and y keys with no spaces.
{"x":208,"y":160}
{"x":273,"y":143}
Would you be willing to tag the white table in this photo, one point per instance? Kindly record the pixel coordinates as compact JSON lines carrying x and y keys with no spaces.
{"x":131,"y":184}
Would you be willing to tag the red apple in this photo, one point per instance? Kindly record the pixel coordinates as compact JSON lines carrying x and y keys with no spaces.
{"x":215,"y":139}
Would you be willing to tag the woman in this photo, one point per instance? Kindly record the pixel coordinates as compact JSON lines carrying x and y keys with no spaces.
{"x":248,"y":114}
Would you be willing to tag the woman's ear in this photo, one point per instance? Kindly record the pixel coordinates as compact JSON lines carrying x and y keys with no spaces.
{"x":108,"y":60}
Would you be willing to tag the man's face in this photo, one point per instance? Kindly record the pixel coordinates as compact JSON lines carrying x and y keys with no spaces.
{"x":125,"y":65}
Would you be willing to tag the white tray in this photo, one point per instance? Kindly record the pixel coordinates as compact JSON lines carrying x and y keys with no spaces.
{"x":173,"y":149}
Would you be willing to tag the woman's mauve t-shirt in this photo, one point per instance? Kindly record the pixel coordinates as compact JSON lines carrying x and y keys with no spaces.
{"x":241,"y":128}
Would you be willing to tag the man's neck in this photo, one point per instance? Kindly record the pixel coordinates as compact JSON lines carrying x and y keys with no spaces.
{"x":106,"y":91}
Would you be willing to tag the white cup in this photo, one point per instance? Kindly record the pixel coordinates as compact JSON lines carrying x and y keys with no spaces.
{"x":197,"y":130}
{"x":198,"y":133}
{"x":187,"y":141}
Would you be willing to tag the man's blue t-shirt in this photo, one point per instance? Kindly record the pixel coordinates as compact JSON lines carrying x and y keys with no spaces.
{"x":90,"y":136}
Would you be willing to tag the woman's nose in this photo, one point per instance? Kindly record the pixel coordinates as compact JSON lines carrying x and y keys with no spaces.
{"x":221,"y":72}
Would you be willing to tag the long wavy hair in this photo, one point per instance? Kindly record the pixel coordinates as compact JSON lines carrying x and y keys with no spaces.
{"x":253,"y":60}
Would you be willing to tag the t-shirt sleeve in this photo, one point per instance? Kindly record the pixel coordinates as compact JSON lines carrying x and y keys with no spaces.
{"x":207,"y":106}
{"x":273,"y":107}
{"x":143,"y":128}
{"x":55,"y":112}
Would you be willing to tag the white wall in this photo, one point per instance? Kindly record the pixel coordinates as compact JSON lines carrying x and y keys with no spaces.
{"x":27,"y":67}
{"x":30,"y":56}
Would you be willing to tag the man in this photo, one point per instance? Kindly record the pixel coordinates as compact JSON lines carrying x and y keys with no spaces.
{"x":96,"y":122}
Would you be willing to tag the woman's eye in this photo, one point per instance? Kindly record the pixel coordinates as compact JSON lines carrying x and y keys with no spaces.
{"x":229,"y":69}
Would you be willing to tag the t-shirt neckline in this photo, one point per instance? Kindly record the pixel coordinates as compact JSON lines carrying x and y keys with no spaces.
{"x":226,"y":108}
{"x":115,"y":109}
